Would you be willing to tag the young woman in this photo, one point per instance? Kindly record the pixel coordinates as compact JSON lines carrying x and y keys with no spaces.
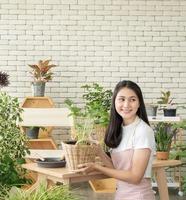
{"x":132,"y":142}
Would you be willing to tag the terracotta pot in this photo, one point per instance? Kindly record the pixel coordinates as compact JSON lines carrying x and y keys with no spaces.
{"x":160,"y":155}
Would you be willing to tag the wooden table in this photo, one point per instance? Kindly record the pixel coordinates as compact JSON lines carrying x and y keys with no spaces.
{"x":62,"y":175}
{"x":159,"y":170}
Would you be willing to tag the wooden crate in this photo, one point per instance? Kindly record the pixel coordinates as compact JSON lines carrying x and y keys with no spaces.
{"x":107,"y":185}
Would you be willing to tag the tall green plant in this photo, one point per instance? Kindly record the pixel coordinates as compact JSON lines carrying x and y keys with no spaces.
{"x":97,"y":103}
{"x":12,"y":142}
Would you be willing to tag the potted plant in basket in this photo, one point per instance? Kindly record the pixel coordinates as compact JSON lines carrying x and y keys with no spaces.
{"x":78,"y":150}
{"x":41,"y":74}
{"x":94,"y":114}
{"x":164,"y":133}
{"x":167,"y":105}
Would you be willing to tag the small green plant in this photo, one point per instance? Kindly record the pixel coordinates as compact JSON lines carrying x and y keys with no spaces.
{"x":41,"y":193}
{"x":165,"y":98}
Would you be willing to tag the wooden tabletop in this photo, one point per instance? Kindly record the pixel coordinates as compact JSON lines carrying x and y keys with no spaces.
{"x":165,"y":163}
{"x":64,"y":173}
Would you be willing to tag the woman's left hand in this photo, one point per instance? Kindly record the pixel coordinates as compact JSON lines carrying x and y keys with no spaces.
{"x":87,"y":167}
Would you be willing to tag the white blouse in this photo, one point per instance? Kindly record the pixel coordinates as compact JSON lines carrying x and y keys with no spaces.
{"x":138,"y":135}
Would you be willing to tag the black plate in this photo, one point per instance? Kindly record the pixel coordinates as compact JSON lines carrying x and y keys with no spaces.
{"x":51,"y":163}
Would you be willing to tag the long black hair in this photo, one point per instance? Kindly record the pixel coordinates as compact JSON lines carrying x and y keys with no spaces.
{"x":113,"y":134}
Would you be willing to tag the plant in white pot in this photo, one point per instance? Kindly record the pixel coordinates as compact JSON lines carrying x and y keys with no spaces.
{"x":41,"y":74}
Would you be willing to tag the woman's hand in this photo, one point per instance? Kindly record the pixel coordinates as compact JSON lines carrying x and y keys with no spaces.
{"x":87,"y":167}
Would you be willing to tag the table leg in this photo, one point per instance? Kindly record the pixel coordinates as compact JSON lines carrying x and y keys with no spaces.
{"x":41,"y":180}
{"x":162,"y":183}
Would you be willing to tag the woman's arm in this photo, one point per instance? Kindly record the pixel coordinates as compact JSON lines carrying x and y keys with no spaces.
{"x":134,"y":175}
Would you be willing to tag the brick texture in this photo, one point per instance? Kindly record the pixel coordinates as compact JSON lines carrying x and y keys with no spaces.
{"x":95,"y":41}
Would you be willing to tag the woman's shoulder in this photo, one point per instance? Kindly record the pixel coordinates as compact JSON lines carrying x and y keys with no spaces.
{"x":144,"y":129}
{"x":144,"y":136}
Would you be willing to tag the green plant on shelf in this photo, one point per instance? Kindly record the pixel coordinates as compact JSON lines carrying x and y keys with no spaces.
{"x":167,"y":102}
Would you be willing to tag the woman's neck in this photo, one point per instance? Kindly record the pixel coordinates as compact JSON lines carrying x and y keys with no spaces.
{"x":129,"y":121}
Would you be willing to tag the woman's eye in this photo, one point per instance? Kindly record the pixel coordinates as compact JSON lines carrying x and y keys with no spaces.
{"x":121,"y":99}
{"x":133,"y":100}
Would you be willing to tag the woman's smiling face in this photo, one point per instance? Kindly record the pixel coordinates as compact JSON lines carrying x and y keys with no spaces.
{"x":127,"y":104}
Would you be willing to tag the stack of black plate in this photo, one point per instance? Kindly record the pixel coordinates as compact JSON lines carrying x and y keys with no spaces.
{"x":51,"y":162}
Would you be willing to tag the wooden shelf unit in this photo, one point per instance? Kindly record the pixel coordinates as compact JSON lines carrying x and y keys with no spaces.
{"x":39,"y":102}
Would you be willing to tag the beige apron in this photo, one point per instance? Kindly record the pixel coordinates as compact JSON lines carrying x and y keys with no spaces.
{"x":125,"y":191}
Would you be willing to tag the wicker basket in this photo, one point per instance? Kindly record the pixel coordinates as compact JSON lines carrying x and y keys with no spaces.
{"x":78,"y":154}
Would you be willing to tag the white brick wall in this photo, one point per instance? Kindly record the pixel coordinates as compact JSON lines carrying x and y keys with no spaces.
{"x":92,"y":40}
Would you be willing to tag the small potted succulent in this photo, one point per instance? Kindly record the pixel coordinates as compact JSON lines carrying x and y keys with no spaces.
{"x":41,"y":74}
{"x":167,"y":105}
